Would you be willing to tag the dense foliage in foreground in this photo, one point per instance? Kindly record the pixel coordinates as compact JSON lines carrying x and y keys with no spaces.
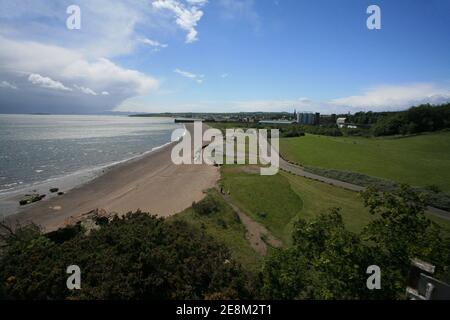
{"x":329,"y":262}
{"x":143,"y":257}
{"x":134,"y":257}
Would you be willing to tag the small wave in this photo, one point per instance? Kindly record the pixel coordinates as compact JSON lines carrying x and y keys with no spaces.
{"x":84,"y":175}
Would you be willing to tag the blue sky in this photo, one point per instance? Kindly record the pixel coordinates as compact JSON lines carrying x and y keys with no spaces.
{"x":223,"y":55}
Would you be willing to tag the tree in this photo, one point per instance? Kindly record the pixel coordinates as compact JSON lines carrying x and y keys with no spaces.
{"x":137,"y":256}
{"x":327,"y":261}
{"x":403,"y":232}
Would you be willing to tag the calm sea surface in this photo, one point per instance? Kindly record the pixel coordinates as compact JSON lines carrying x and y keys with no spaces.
{"x":39,"y":148}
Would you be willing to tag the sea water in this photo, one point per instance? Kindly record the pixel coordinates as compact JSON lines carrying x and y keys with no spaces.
{"x":39,"y":151}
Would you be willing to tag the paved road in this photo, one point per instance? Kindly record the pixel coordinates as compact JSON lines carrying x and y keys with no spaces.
{"x":299,"y":171}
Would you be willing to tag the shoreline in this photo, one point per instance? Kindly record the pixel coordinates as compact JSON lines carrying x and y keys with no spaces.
{"x":149,"y":182}
{"x":9,"y":199}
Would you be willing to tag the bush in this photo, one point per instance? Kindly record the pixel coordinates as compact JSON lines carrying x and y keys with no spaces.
{"x":209,"y":205}
{"x":326,"y":261}
{"x":134,"y":257}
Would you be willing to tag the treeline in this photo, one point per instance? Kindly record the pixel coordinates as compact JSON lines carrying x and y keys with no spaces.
{"x":328,"y":130}
{"x":143,"y":257}
{"x":424,"y":118}
{"x":368,"y":118}
{"x":286,"y":130}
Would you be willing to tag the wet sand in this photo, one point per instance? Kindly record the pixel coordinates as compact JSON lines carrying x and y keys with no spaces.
{"x":151,"y":183}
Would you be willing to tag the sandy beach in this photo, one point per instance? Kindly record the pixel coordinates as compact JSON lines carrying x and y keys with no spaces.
{"x":151,"y":183}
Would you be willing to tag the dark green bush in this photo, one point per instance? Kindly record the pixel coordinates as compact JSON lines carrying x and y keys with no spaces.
{"x":209,"y":205}
{"x":134,"y":257}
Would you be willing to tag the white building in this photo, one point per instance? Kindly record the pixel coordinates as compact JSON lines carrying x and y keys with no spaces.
{"x":341,"y":122}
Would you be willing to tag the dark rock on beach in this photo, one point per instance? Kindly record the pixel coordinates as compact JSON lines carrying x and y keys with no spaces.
{"x":30,"y":198}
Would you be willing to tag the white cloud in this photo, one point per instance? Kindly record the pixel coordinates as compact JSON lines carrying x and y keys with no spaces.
{"x":34,"y":40}
{"x":46,"y":82}
{"x":224,"y":75}
{"x":86,"y":90}
{"x":105,"y":73}
{"x":186,"y":17}
{"x":395,"y":97}
{"x":197,"y":2}
{"x":196,"y":77}
{"x":31,"y":56}
{"x":69,"y":71}
{"x":7,"y":85}
{"x":153,"y":43}
{"x":140,"y":105}
{"x":383,"y":98}
{"x":71,"y":66}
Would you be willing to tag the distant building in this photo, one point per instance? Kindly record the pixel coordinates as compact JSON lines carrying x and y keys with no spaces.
{"x":333,"y":118}
{"x":340,"y":122}
{"x":308,"y":118}
{"x":317,"y":119}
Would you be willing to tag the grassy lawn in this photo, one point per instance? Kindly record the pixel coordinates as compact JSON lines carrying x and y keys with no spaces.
{"x":417,"y":160}
{"x":225,"y":227}
{"x":278,"y":201}
{"x":266,"y":199}
{"x":318,"y":197}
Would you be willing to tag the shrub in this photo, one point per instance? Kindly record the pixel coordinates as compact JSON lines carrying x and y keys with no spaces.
{"x":134,"y":257}
{"x":209,"y":205}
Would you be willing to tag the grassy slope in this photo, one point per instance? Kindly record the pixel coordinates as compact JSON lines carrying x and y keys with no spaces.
{"x":419,"y":160}
{"x":233,"y":235}
{"x":267,"y":199}
{"x":285,"y":198}
{"x":319,"y":197}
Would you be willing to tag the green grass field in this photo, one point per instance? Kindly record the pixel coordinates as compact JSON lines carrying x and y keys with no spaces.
{"x":278,"y":201}
{"x":267,"y":199}
{"x":226,"y":228}
{"x":421,"y":160}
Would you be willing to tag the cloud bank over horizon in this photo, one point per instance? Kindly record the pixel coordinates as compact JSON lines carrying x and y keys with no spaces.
{"x":383,"y":98}
{"x":178,"y":55}
{"x":73,"y":71}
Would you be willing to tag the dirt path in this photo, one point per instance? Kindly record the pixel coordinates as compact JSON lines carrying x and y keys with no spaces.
{"x":258,"y":236}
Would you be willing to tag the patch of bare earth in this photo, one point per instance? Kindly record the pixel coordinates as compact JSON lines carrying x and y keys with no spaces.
{"x":257,"y":235}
